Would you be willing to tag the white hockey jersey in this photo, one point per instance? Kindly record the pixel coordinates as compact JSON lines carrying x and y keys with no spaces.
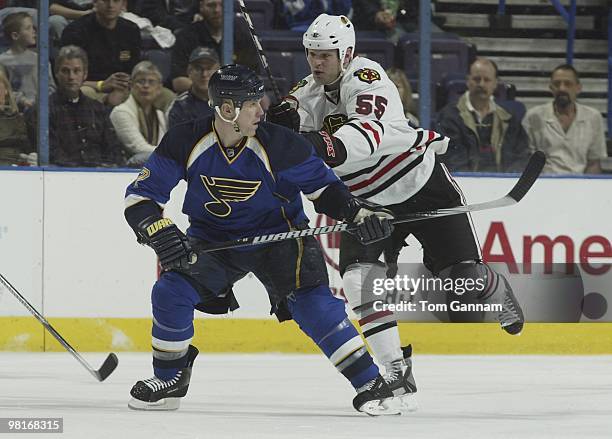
{"x":388,"y":161}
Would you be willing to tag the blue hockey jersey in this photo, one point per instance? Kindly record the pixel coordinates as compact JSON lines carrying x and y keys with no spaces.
{"x":250,"y":189}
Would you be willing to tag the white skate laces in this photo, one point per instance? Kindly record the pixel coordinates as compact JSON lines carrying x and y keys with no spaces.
{"x":155,"y":384}
{"x":367,"y":386}
{"x":394,"y":371}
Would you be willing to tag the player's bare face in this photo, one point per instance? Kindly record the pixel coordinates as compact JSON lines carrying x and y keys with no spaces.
{"x":251,"y":114}
{"x":324,"y":65}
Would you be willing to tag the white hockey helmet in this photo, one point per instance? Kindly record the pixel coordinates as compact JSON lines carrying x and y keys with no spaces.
{"x":331,"y":32}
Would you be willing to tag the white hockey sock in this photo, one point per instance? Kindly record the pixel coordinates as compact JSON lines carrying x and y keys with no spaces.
{"x":378,"y":327}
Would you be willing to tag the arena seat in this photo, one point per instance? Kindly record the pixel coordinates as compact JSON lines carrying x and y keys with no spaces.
{"x":261,"y":13}
{"x":449,"y":54}
{"x":285,"y":54}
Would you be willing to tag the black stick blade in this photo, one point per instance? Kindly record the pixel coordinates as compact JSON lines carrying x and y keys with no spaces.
{"x":529,"y":176}
{"x":109,"y":365}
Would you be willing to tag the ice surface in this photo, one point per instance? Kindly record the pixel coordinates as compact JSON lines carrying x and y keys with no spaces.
{"x":302,"y":396}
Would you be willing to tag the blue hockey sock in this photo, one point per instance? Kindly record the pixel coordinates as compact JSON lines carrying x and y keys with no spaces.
{"x":173,"y":300}
{"x":323,"y":318}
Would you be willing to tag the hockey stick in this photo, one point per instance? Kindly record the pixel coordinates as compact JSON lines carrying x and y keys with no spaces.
{"x":101,"y":374}
{"x":260,"y":52}
{"x":525,"y":182}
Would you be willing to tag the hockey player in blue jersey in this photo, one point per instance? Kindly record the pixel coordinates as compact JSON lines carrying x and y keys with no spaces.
{"x":245,"y":177}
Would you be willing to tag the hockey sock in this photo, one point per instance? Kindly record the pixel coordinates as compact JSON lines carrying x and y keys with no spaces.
{"x":378,"y":327}
{"x":173,"y":300}
{"x":323,"y":318}
{"x":488,"y":288}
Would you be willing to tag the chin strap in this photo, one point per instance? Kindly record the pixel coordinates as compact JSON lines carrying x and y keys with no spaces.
{"x":233,"y":121}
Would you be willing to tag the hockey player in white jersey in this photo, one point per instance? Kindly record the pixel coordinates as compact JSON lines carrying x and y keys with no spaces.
{"x":352,"y":114}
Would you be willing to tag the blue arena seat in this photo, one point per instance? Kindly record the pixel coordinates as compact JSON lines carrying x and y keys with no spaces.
{"x":449,"y":55}
{"x":285,"y":54}
{"x":261,"y":13}
{"x":375,"y":47}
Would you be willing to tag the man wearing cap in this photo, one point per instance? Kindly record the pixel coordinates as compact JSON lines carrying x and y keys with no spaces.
{"x":193,"y":103}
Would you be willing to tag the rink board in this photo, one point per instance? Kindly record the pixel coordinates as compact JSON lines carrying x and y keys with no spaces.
{"x":258,"y":335}
{"x":65,"y":246}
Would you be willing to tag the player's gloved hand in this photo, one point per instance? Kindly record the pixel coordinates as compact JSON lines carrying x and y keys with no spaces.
{"x":372,"y":220}
{"x":285,"y":114}
{"x":170,"y":244}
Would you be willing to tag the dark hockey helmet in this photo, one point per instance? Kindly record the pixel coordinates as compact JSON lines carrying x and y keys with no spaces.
{"x":234,"y":82}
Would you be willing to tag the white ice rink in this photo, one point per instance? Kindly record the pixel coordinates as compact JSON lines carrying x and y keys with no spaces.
{"x":302,"y":396}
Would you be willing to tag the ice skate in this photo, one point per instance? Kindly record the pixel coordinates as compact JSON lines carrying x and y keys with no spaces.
{"x":156,"y":394}
{"x":374,"y":397}
{"x":399,"y":378}
{"x":511,"y":317}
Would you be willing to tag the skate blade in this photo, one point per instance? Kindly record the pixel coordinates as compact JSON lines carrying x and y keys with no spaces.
{"x":379,"y":408}
{"x":406,"y":403}
{"x":163,"y":404}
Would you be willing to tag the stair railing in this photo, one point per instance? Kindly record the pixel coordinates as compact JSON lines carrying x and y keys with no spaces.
{"x":570,"y":19}
{"x":609,"y":115}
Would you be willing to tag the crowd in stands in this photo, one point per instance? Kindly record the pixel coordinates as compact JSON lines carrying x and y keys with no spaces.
{"x":484,"y":136}
{"x":114,"y":89}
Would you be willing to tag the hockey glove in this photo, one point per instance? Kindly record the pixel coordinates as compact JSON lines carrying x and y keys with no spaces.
{"x":372,"y":220}
{"x":170,"y":244}
{"x":329,"y":148}
{"x":284,"y":114}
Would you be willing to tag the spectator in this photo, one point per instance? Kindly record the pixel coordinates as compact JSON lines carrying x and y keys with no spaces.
{"x":398,"y":77}
{"x":20,"y":61}
{"x":299,"y":14}
{"x":484,"y":136}
{"x":207,"y":33}
{"x":139,"y":125}
{"x":394,"y":17}
{"x":80,"y":131}
{"x":60,"y":12}
{"x":570,"y":134}
{"x":14,"y":141}
{"x":193,"y":104}
{"x":113,"y":47}
{"x":172,"y":15}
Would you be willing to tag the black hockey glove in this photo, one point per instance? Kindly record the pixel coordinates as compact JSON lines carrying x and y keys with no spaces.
{"x":372,"y":220}
{"x":170,"y":244}
{"x":284,"y":114}
{"x":329,"y":148}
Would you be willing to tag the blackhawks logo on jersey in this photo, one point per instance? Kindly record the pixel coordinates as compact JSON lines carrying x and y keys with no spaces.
{"x":333,"y":122}
{"x":226,"y":190}
{"x":367,"y":75}
{"x":300,"y":84}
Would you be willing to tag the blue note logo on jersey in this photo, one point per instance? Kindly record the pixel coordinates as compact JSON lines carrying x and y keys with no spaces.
{"x":143,"y":175}
{"x":225,"y":191}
